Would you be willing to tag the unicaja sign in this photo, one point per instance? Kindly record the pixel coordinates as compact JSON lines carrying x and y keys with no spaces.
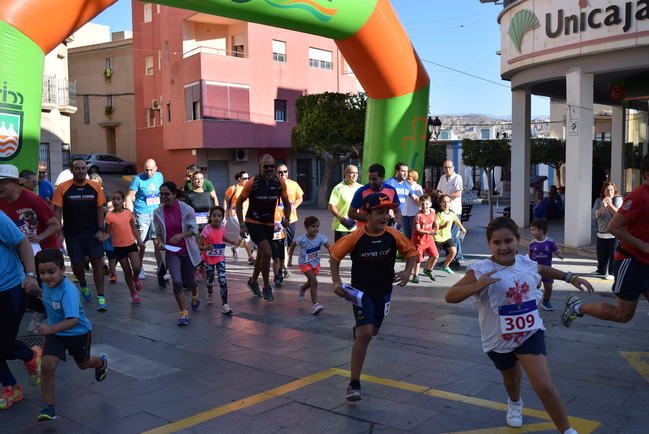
{"x":613,"y":15}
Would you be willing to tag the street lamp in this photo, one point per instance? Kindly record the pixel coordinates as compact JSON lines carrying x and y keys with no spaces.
{"x":435,"y":127}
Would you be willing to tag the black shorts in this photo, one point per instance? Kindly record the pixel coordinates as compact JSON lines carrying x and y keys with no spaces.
{"x":631,"y":279}
{"x":445,"y":245}
{"x":83,"y":244}
{"x":122,"y":252}
{"x":77,"y":346}
{"x":535,"y":344}
{"x":110,"y":254}
{"x":290,"y":232}
{"x":372,"y":312}
{"x":277,"y":249}
{"x":259,"y":232}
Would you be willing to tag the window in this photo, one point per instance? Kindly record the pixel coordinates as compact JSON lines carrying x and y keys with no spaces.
{"x":279,"y":51}
{"x":150,"y":118}
{"x":148,"y":65}
{"x":108,"y":63}
{"x":148,"y":12}
{"x":280,"y":110}
{"x":225,"y":101}
{"x":238,"y":46}
{"x":157,"y":9}
{"x":168,"y":111}
{"x":86,"y":110}
{"x":166,"y":51}
{"x":193,"y":102}
{"x":109,"y":101}
{"x":65,"y":155}
{"x":320,"y":59}
{"x":159,"y":60}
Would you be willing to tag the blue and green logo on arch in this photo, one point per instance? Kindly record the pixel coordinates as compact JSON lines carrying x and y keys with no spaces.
{"x":320,"y":12}
{"x":522,"y":22}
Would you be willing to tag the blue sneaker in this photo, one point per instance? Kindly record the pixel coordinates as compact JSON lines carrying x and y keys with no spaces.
{"x":100,"y":373}
{"x":47,"y":413}
{"x":254,"y":287}
{"x":86,"y":293}
{"x":183,"y":318}
{"x":447,"y":270}
{"x":546,"y":305}
{"x":569,"y":313}
{"x":195,"y":303}
{"x":101,"y":304}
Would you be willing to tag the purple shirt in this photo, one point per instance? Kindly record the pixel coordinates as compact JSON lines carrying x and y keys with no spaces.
{"x":174,"y":223}
{"x":541,"y":251}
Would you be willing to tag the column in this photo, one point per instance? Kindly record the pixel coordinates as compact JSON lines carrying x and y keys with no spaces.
{"x":617,"y":148}
{"x":520,"y":186}
{"x":579,"y":157}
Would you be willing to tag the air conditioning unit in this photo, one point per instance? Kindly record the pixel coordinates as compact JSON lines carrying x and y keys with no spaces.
{"x":155,"y":104}
{"x":240,"y":155}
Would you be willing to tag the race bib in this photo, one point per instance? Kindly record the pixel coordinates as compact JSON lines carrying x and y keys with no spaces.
{"x":278,"y":234}
{"x":312,"y":254}
{"x":201,"y":218}
{"x":386,"y":309}
{"x":517,"y":318}
{"x":153,"y":199}
{"x":216,"y":250}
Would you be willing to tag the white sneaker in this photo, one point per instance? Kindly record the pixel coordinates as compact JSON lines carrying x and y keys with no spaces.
{"x":317,"y":308}
{"x":226,"y":309}
{"x":209,"y":298}
{"x":37,"y":318}
{"x":570,"y":431}
{"x":166,"y":277}
{"x":515,"y":413}
{"x":609,"y":277}
{"x":142,"y":276}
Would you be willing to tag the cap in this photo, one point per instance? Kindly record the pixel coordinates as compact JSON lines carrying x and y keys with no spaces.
{"x":378,"y":200}
{"x":8,"y":171}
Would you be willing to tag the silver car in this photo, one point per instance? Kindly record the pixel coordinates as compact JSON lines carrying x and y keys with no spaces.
{"x":108,"y":163}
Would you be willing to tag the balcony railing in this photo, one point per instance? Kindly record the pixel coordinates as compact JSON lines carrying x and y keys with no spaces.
{"x":59,"y":91}
{"x":238,"y":52}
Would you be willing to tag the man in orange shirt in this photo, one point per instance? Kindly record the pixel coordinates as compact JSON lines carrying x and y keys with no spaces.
{"x":295,"y":196}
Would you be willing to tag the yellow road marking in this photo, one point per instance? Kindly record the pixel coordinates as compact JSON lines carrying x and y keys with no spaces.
{"x":636,"y":360}
{"x":583,"y":426}
{"x":532,"y":427}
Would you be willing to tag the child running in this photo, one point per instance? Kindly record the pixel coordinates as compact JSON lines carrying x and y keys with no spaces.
{"x":506,"y":290}
{"x":277,"y":247}
{"x":373,"y":250}
{"x":67,"y":329}
{"x":211,"y":243}
{"x":423,"y":237}
{"x":309,"y":260}
{"x":120,"y":226}
{"x":540,"y":250}
{"x":443,"y":239}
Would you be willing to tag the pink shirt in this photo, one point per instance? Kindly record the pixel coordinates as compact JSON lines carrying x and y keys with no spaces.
{"x":213,"y":238}
{"x":174,"y":225}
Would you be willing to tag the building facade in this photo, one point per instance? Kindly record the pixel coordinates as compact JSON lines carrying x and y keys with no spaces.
{"x":101,"y":63}
{"x":219,"y":92}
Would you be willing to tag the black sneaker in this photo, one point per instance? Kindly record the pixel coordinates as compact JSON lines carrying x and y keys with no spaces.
{"x":100,"y":373}
{"x":47,"y":413}
{"x":353,"y":393}
{"x":286,"y":273}
{"x":278,"y":280}
{"x":254,"y":287}
{"x":161,"y":282}
{"x":268,"y":293}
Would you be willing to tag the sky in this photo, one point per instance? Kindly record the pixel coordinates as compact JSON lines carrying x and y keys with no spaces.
{"x":459,"y":34}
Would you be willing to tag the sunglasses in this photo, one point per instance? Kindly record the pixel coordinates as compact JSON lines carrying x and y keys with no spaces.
{"x":245,"y":178}
{"x":42,"y":173}
{"x":282,"y":171}
{"x":268,"y":166}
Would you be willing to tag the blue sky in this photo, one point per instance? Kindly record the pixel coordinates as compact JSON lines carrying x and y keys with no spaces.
{"x":460,"y":34}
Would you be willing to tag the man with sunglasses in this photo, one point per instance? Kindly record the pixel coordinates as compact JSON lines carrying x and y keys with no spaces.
{"x":143,"y":198}
{"x":263,"y":192}
{"x":295,"y":196}
{"x":45,"y":187}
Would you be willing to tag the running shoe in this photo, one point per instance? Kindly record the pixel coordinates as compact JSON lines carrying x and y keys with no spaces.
{"x":353,"y":393}
{"x":514,"y":413}
{"x":226,"y":310}
{"x":74,"y":279}
{"x":415,"y":279}
{"x":141,"y":275}
{"x":447,"y":270}
{"x":101,"y":304}
{"x":10,"y":395}
{"x":113,"y":278}
{"x":569,"y":313}
{"x":47,"y":413}
{"x":86,"y":293}
{"x":429,"y":274}
{"x":286,"y":273}
{"x":138,"y":284}
{"x":300,"y":292}
{"x":235,"y":255}
{"x":195,"y":303}
{"x":251,"y":261}
{"x":161,"y":282}
{"x":166,"y":277}
{"x":317,"y":308}
{"x":268,"y":294}
{"x":34,"y":366}
{"x":209,"y":298}
{"x":609,"y":277}
{"x":100,"y":373}
{"x":278,"y":280}
{"x":254,"y":287}
{"x":183,"y":318}
{"x":546,"y":305}
{"x":135,"y":298}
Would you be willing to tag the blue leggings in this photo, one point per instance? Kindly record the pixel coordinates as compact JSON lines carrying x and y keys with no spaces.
{"x":217,"y":270}
{"x":12,"y":307}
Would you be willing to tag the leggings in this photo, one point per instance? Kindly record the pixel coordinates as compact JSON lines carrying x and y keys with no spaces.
{"x":182,"y":272}
{"x":12,"y":307}
{"x":217,"y":269}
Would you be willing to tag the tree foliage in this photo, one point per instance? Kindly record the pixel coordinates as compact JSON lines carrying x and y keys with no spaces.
{"x":435,"y":154}
{"x":549,"y":151}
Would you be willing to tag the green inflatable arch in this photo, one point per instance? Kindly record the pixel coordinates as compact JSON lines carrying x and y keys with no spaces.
{"x":367,"y":32}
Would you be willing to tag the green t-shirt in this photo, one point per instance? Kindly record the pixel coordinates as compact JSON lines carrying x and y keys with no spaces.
{"x":207,"y":186}
{"x":341,"y":197}
{"x":443,"y":217}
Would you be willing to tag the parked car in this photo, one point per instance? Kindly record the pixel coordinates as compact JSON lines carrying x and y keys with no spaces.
{"x":106,"y":163}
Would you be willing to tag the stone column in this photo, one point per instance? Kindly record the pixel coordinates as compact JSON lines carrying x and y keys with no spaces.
{"x":520,"y":142}
{"x":579,"y":158}
{"x":617,"y":148}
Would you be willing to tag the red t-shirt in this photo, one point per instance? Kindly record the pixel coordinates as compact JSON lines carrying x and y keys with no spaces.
{"x":636,"y":209}
{"x":174,"y":226}
{"x":426,"y":223}
{"x":30,"y":213}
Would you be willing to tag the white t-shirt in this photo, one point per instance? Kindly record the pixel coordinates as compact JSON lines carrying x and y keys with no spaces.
{"x":518,"y":283}
{"x":411,"y":208}
{"x":450,"y":186}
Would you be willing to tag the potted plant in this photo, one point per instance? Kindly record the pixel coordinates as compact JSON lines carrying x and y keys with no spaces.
{"x":108,"y":73}
{"x":109,"y":109}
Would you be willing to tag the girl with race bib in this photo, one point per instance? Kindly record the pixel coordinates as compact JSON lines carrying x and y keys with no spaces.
{"x":309,"y":261}
{"x":211,"y":242}
{"x":505,"y":287}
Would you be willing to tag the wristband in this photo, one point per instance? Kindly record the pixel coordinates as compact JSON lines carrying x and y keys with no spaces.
{"x":568,"y":277}
{"x":32,"y":275}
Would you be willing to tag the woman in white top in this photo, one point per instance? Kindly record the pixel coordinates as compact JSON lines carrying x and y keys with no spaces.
{"x":411,"y":208}
{"x":506,"y":290}
{"x":604,"y":209}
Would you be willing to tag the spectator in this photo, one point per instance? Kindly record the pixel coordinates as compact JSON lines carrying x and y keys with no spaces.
{"x":27,"y":180}
{"x":45,"y":187}
{"x":411,"y":207}
{"x":605,"y":207}
{"x":451,"y":184}
{"x":340,"y":201}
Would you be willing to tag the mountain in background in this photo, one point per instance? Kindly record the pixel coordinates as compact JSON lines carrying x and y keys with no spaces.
{"x":470,"y":126}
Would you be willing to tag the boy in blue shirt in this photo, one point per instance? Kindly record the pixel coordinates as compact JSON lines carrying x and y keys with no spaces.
{"x":68,"y":328}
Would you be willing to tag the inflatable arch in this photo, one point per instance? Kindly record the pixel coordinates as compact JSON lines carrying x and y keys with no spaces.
{"x":367,"y":32}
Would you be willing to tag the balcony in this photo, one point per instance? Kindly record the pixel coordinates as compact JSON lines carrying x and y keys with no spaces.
{"x":59,"y":93}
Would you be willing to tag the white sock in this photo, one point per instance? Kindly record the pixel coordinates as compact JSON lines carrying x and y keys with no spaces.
{"x":576,"y":309}
{"x":570,"y":431}
{"x":516,"y":403}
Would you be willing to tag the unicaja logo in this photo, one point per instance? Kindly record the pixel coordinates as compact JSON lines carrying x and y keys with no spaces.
{"x":522,"y":22}
{"x":11,"y":122}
